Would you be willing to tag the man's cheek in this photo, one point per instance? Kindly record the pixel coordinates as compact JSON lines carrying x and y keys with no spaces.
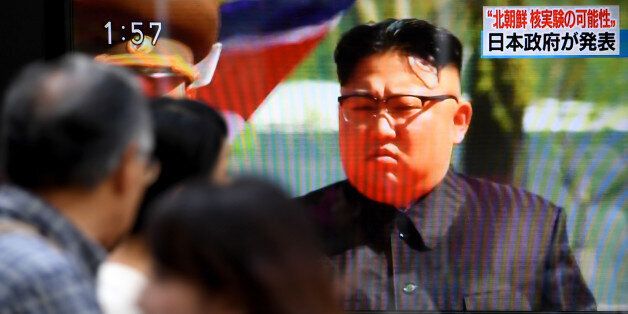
{"x":352,"y":141}
{"x":350,"y":158}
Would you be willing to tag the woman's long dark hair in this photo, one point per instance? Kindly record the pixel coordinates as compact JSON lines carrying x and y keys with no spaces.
{"x":247,"y":240}
{"x":189,"y":136}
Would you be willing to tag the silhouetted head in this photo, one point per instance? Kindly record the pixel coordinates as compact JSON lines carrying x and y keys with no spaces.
{"x":244,"y":246}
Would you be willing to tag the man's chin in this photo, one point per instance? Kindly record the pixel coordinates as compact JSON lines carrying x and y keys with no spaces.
{"x":384,"y":188}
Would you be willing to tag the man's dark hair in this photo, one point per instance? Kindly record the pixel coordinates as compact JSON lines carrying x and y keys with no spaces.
{"x":246,"y":241}
{"x":189,"y":136}
{"x":411,"y":36}
{"x":68,"y":123}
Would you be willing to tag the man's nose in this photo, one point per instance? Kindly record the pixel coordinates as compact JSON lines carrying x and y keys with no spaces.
{"x":384,"y":127}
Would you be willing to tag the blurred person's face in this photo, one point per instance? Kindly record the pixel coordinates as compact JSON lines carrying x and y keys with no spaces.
{"x":220,"y":174}
{"x":392,"y":157}
{"x":136,"y":172}
{"x":171,"y":294}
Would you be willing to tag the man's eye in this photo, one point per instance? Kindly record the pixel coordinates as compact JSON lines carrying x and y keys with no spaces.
{"x":404,"y":108}
{"x":364,"y":108}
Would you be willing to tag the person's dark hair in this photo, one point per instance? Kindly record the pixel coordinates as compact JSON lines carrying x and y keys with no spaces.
{"x":411,"y":36}
{"x":246,"y":240}
{"x":68,"y":123}
{"x":189,"y":136}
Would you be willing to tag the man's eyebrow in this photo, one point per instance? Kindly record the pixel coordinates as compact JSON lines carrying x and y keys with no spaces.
{"x":358,"y":92}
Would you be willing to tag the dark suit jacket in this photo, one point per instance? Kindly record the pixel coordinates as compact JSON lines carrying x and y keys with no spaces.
{"x":469,"y":244}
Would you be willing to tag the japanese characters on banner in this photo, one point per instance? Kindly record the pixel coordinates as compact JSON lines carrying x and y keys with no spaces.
{"x":559,"y":31}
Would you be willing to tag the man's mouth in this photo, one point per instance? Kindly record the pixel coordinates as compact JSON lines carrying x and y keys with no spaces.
{"x":384,"y":156}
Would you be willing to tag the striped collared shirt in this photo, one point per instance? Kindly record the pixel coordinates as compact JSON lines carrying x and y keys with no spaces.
{"x":46,"y":264}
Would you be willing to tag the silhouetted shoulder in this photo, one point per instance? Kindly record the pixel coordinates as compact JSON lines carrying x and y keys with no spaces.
{"x":323,"y":199}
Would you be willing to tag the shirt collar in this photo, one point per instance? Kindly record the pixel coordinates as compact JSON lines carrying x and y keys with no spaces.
{"x":18,"y":204}
{"x":434,"y":213}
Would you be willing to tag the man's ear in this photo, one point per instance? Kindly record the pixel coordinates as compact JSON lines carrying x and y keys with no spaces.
{"x":462,"y":119}
{"x":125,"y":175}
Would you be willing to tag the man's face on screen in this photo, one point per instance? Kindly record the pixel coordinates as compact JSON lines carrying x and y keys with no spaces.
{"x":390,"y":153}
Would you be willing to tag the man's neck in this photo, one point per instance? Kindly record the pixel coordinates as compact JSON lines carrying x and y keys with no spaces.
{"x":133,"y":252}
{"x":422,"y":189}
{"x":83,"y":208}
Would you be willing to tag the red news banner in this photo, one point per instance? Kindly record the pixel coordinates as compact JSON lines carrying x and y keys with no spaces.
{"x":558,"y":31}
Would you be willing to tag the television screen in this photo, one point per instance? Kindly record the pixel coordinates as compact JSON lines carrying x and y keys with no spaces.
{"x":546,"y":82}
